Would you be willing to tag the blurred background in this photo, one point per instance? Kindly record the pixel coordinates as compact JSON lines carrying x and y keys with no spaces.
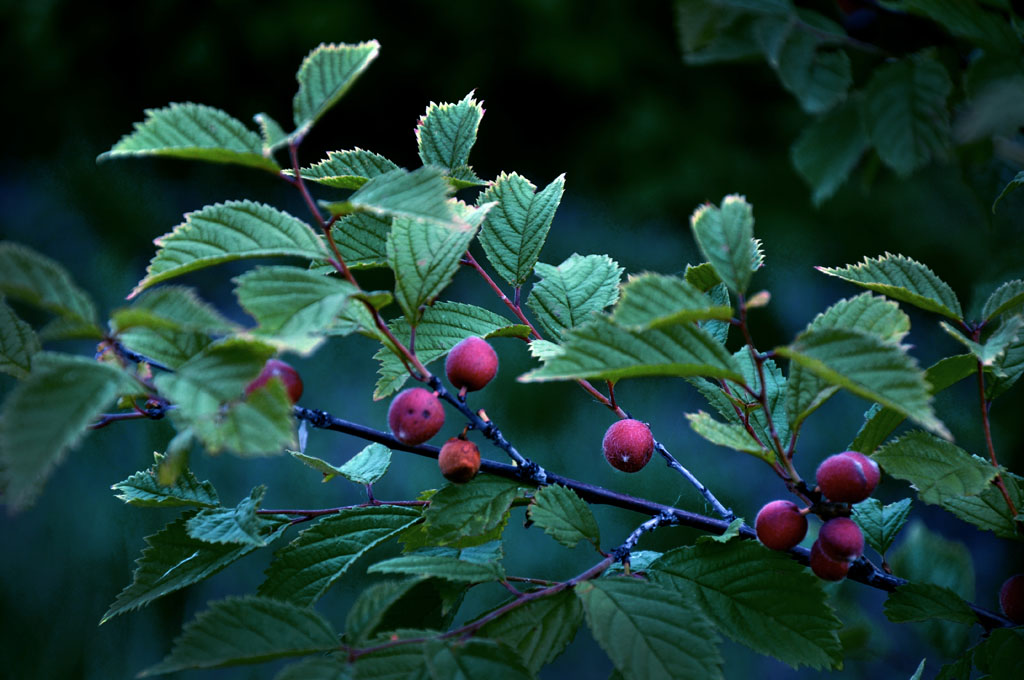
{"x":597,"y":90}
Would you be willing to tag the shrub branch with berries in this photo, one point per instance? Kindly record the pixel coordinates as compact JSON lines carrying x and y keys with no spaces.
{"x":170,"y":355}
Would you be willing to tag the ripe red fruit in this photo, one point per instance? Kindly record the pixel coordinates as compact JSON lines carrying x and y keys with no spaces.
{"x":780,"y":526}
{"x":1011,"y":598}
{"x":826,"y":568}
{"x":275,"y":368}
{"x":471,"y":364}
{"x":415,"y":415}
{"x":848,"y":477}
{"x":841,"y":539}
{"x":459,"y":460}
{"x":628,"y":445}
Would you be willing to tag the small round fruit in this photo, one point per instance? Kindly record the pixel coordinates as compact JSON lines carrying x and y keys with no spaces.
{"x":826,"y":568}
{"x":471,"y":364}
{"x":848,"y":477}
{"x":780,"y":526}
{"x":415,"y":415}
{"x":628,"y":445}
{"x":459,"y":460}
{"x":841,"y":539}
{"x":1011,"y":598}
{"x":275,"y":368}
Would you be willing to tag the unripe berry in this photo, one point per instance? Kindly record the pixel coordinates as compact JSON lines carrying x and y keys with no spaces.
{"x":826,"y":568}
{"x":780,"y":526}
{"x":415,"y":415}
{"x":848,"y":477}
{"x":628,"y":445}
{"x":841,"y":539}
{"x":471,"y":364}
{"x":275,"y":368}
{"x":1011,"y":598}
{"x":459,"y":460}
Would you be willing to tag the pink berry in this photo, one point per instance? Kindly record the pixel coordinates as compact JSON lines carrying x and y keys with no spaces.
{"x":471,"y":364}
{"x":415,"y":415}
{"x":275,"y":368}
{"x":841,"y":539}
{"x":848,"y":477}
{"x":628,"y":445}
{"x":1011,"y":598}
{"x":826,"y":568}
{"x":780,"y":526}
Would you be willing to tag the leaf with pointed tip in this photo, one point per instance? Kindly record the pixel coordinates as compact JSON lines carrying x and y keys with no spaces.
{"x":938,"y":469}
{"x":729,"y":435}
{"x":420,"y":195}
{"x":362,"y":240}
{"x":775,"y":394}
{"x":347,"y":169}
{"x":305,"y":568}
{"x":726,"y":237}
{"x":446,"y":133}
{"x":175,"y":308}
{"x":450,"y":564}
{"x":46,"y":414}
{"x":649,"y":631}
{"x":818,"y":78}
{"x":367,"y":466}
{"x":167,"y":346}
{"x":515,"y":230}
{"x":923,"y":601}
{"x":224,"y":232}
{"x":994,"y":348}
{"x":18,"y":342}
{"x":239,"y":524}
{"x":272,"y":134}
{"x":239,"y":630}
{"x":600,"y":349}
{"x":1007,"y":370}
{"x":1006,"y":297}
{"x":757,"y":597}
{"x":903,"y":279}
{"x":540,"y":629}
{"x":469,"y":510}
{"x":966,"y":20}
{"x":829,"y":148}
{"x":567,"y":295}
{"x":194,"y":131}
{"x":27,"y":276}
{"x":988,"y":510}
{"x":653,"y":300}
{"x":880,"y":523}
{"x":372,"y":605}
{"x":564,"y":516}
{"x":1012,"y":185}
{"x":144,"y":489}
{"x":325,"y":75}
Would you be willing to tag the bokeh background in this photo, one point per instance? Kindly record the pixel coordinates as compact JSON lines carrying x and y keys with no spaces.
{"x":597,"y":90}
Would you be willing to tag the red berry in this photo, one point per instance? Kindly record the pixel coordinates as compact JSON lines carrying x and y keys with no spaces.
{"x":415,"y":415}
{"x":1011,"y":598}
{"x":459,"y":460}
{"x":841,"y":539}
{"x":471,"y":364}
{"x":826,"y":568}
{"x":780,"y":526}
{"x":628,"y":445}
{"x":848,"y":477}
{"x":275,"y":368}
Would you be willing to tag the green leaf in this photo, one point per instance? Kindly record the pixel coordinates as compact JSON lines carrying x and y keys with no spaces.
{"x":367,"y":466}
{"x":988,"y":510}
{"x":639,"y":560}
{"x":272,"y":134}
{"x":347,"y":169}
{"x":515,"y":230}
{"x":1007,"y":370}
{"x":1012,"y":185}
{"x":329,"y":471}
{"x":1001,"y":656}
{"x":145,"y":490}
{"x":446,"y":133}
{"x":18,"y":342}
{"x":425,"y":257}
{"x":731,"y":436}
{"x":726,"y":237}
{"x":45,"y":415}
{"x":540,"y":629}
{"x":224,"y":232}
{"x":36,"y":279}
{"x":818,"y":78}
{"x":829,"y":149}
{"x":239,"y":524}
{"x":759,"y":598}
{"x":194,"y":131}
{"x":371,"y":606}
{"x":938,"y":469}
{"x":418,"y":195}
{"x":470,"y":659}
{"x":325,"y":75}
{"x":903,"y":279}
{"x":868,"y":367}
{"x":880,"y":422}
{"x":703,"y":277}
{"x":776,"y":394}
{"x":1006,"y":297}
{"x":173,"y":560}
{"x":648,"y":631}
{"x":996,"y":345}
{"x":469,"y":510}
{"x":420,"y":603}
{"x":168,"y":346}
{"x":919,"y":672}
{"x":600,"y":349}
{"x":470,"y":565}
{"x":318,"y":668}
{"x":362,"y":240}
{"x":567,"y":295}
{"x":564,"y":516}
{"x":442,"y":326}
{"x":260,"y":425}
{"x":173,"y":308}
{"x":239,"y":630}
{"x":905,"y":112}
{"x":880,"y":523}
{"x":965,"y":20}
{"x":653,"y":300}
{"x":923,"y":601}
{"x":305,"y":568}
